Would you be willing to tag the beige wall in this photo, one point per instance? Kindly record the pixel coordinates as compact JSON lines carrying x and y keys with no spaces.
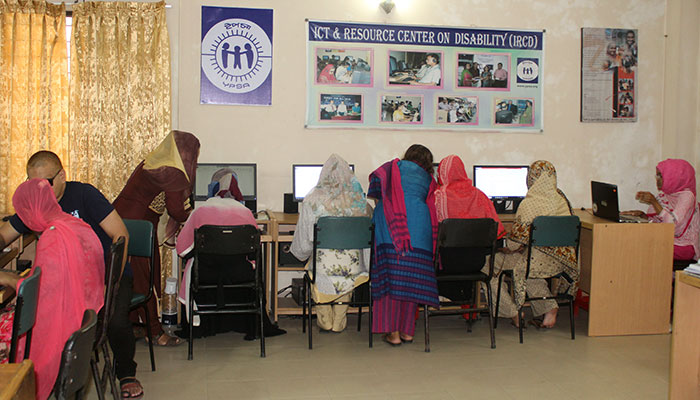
{"x":274,"y":137}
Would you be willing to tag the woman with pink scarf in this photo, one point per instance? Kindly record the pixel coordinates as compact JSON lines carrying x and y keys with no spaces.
{"x":72,"y":276}
{"x":676,"y":203}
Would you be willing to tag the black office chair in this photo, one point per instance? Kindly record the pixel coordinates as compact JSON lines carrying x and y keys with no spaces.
{"x":25,"y":314}
{"x":112,"y":275}
{"x":549,"y":231}
{"x":462,"y":247}
{"x":142,"y":244}
{"x":339,"y":233}
{"x":215,"y":242}
{"x":74,"y":371}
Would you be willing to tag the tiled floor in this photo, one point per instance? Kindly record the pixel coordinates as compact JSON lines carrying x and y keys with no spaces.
{"x":549,"y":365}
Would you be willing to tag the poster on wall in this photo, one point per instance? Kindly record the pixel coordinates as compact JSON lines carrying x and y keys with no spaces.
{"x":608,"y":75}
{"x":236,"y":59}
{"x":423,"y":77}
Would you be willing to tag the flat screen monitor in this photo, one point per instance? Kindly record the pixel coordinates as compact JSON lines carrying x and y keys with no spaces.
{"x":305,"y":177}
{"x":247,"y":179}
{"x":501,"y":181}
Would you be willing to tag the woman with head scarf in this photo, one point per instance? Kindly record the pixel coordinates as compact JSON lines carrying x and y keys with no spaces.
{"x":72,"y":277}
{"x":405,"y":230}
{"x":543,"y":198}
{"x":327,"y":75}
{"x":223,"y":207}
{"x":161,"y":183}
{"x":676,"y":204}
{"x":338,"y":272}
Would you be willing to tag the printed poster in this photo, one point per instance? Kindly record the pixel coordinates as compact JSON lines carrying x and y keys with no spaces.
{"x":423,"y":77}
{"x":608,"y":75}
{"x":236,"y":63}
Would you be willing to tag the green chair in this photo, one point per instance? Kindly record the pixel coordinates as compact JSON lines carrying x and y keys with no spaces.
{"x":74,"y":372}
{"x":142,"y":244}
{"x":338,"y":233}
{"x":25,"y":313}
{"x":550,"y":231}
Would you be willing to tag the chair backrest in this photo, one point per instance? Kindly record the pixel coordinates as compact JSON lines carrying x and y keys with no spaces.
{"x":74,"y":370}
{"x":555,"y":231}
{"x":112,"y":275}
{"x":226,"y":240}
{"x":140,"y":237}
{"x":27,"y":299}
{"x":343,"y":233}
{"x":464,"y":243}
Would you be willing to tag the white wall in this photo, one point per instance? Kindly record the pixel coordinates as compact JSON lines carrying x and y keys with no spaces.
{"x":274,"y":137}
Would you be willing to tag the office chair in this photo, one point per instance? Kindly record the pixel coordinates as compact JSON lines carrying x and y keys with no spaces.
{"x":339,"y":233}
{"x":462,"y":247}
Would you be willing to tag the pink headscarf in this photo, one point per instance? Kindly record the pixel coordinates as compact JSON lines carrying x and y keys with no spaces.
{"x":72,"y":276}
{"x":678,"y":175}
{"x":326,"y":76}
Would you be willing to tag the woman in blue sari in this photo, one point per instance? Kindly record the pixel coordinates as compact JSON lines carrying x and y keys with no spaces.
{"x":405,"y":229}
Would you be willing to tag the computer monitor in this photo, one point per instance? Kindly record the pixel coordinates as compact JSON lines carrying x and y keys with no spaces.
{"x":305,"y":177}
{"x":501,"y":182}
{"x":247,"y":179}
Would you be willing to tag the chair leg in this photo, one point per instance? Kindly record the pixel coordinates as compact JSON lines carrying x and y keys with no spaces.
{"x":190,"y":338}
{"x":27,"y":343}
{"x":571,"y":318}
{"x":261,"y":315}
{"x":491,"y":324}
{"x":369,"y":316}
{"x":359,"y":318}
{"x":303,"y":307}
{"x":498,"y":299}
{"x":427,"y":328}
{"x":308,"y":321}
{"x":521,"y":322}
{"x":150,"y":336}
{"x":96,"y":378}
{"x":109,"y":371}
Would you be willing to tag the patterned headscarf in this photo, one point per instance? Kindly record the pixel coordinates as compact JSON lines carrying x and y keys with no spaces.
{"x":224,"y":183}
{"x":338,"y":192}
{"x":456,"y":197}
{"x":543,"y":198}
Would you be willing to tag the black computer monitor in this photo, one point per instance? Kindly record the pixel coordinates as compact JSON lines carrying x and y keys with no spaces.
{"x":305,"y":177}
{"x":501,"y":182}
{"x":247,"y":179}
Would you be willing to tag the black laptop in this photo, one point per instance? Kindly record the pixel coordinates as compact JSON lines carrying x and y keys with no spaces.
{"x":605,"y":203}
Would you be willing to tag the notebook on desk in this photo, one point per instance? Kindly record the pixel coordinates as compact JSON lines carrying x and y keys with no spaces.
{"x":606,"y":205}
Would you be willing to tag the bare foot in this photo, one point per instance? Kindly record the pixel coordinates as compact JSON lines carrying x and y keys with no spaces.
{"x":550,"y":318}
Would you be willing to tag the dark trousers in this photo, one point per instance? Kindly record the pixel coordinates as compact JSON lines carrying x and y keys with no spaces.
{"x":120,"y":333}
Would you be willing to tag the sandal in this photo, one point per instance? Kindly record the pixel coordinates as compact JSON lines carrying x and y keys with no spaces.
{"x":538,"y":323}
{"x":385,"y":338}
{"x":126,"y":384}
{"x":405,"y":339}
{"x":166,"y":340}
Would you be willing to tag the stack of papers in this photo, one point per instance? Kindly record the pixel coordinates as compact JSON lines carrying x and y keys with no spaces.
{"x":693,"y":269}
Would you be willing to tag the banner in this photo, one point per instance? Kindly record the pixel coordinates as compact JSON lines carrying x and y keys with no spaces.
{"x":608,"y":75}
{"x":423,"y":77}
{"x":236,"y":56}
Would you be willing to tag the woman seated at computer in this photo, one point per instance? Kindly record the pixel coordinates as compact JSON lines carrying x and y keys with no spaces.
{"x":72,"y":278}
{"x":223,"y":207}
{"x":676,"y":204}
{"x":338,"y":272}
{"x":405,"y":230}
{"x":543,"y":198}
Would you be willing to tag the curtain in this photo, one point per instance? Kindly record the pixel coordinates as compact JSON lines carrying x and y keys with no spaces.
{"x":120,"y":89}
{"x":33,"y":88}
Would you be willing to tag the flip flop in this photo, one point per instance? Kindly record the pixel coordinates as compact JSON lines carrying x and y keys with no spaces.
{"x":125,"y":384}
{"x":385,"y":338}
{"x":408,"y":341}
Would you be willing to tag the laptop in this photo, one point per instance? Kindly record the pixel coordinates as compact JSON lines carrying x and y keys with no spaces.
{"x":605,"y":203}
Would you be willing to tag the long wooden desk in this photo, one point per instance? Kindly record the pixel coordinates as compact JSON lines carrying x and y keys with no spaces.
{"x":626,"y":269}
{"x":685,"y":344}
{"x":17,"y":381}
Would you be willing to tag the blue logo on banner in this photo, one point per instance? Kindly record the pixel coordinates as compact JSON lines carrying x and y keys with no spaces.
{"x":528,"y":70}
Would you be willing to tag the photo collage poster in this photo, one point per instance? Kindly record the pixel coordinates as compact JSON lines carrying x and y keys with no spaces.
{"x":608,"y":75}
{"x":423,"y":77}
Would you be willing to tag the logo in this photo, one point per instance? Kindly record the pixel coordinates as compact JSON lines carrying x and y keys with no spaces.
{"x":236,"y":55}
{"x":528,"y":70}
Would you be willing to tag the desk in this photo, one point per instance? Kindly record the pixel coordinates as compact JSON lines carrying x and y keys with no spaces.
{"x":685,"y":344}
{"x":17,"y":381}
{"x":626,"y":269}
{"x":290,"y":221}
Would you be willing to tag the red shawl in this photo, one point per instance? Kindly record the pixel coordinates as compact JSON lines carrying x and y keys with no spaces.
{"x":456,"y":197}
{"x":72,"y":276}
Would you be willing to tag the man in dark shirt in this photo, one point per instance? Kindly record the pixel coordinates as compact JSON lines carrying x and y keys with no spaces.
{"x":84,"y":201}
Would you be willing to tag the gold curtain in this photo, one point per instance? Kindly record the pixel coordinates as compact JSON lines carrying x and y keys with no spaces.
{"x":120,"y":89}
{"x":33,"y":88}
